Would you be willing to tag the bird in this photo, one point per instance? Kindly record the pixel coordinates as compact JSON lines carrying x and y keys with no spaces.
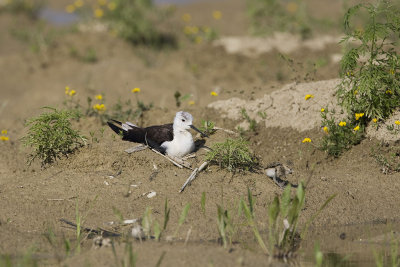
{"x":172,"y":139}
{"x":277,"y":171}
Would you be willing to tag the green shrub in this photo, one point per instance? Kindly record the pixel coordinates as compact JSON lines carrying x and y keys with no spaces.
{"x":233,"y":154}
{"x":267,"y":16}
{"x":341,"y":135}
{"x":135,"y":21}
{"x":370,"y":70}
{"x":50,"y":135}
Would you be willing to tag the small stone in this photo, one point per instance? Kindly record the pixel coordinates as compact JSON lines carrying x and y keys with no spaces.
{"x":151,"y":194}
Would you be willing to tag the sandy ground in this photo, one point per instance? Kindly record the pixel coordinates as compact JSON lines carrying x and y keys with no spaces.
{"x":33,"y":199}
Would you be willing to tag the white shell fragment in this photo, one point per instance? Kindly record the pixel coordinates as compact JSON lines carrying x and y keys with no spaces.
{"x":151,"y":194}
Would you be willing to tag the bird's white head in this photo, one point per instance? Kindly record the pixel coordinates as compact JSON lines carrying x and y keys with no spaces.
{"x":183,"y":121}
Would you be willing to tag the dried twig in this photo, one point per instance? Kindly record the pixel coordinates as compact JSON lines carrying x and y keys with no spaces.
{"x":193,"y":175}
{"x":226,"y":130}
{"x":136,"y":148}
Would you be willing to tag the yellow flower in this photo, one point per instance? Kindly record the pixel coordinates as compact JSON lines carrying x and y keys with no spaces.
{"x":389,"y":92}
{"x":291,"y":7}
{"x":186,"y":17}
{"x":217,"y":14}
{"x":342,"y":123}
{"x":214,"y":93}
{"x":198,"y":40}
{"x":4,"y":138}
{"x":326,"y":129}
{"x":308,"y":97}
{"x":355,"y":92}
{"x":322,"y":110}
{"x":356,"y":128}
{"x":4,"y":132}
{"x":397,"y":122}
{"x":374,"y":120}
{"x":392,"y":71}
{"x":99,"y":97}
{"x":70,"y":9}
{"x":187,"y":30}
{"x":359,"y":115}
{"x":72,"y":93}
{"x":112,"y":6}
{"x":66,"y":90}
{"x":306,"y":140}
{"x":195,"y":29}
{"x":102,"y":2}
{"x":135,"y":90}
{"x":191,"y":102}
{"x":78,"y":3}
{"x":99,"y":108}
{"x":98,"y":12}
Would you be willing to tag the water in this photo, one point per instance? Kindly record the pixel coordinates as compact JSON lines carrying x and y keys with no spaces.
{"x":57,"y":17}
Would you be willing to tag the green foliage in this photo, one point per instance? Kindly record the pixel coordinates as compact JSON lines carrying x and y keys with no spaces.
{"x":51,"y":136}
{"x":88,"y":56}
{"x":207,"y":127}
{"x":283,"y":217}
{"x":388,"y":157}
{"x":252,"y":122}
{"x":27,"y":260}
{"x":27,"y":7}
{"x":135,"y":21}
{"x":340,"y":136}
{"x":225,"y":226}
{"x":370,"y":69}
{"x":268,"y":16}
{"x":233,"y":154}
{"x":180,"y":98}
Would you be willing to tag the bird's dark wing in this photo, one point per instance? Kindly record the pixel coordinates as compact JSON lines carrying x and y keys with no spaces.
{"x":160,"y":133}
{"x":133,"y":134}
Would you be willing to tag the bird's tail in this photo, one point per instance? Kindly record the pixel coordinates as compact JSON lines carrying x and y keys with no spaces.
{"x":127,"y":130}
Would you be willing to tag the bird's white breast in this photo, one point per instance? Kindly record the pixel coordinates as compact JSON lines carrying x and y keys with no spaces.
{"x":180,"y":146}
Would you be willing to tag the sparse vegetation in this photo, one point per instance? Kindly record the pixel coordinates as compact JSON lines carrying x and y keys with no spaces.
{"x":51,"y":136}
{"x":387,"y":156}
{"x":340,"y":135}
{"x":27,"y":7}
{"x":207,"y":127}
{"x":233,"y":155}
{"x":370,"y":69}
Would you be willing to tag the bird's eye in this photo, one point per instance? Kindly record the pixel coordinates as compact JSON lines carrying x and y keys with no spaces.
{"x":183,"y":120}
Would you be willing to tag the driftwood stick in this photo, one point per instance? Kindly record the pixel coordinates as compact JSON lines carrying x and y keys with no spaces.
{"x":136,"y":148}
{"x":193,"y":175}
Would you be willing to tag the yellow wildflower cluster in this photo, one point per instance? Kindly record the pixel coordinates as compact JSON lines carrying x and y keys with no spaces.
{"x":350,"y":73}
{"x":69,"y":92}
{"x":292,"y":7}
{"x":397,"y":122}
{"x":191,"y":102}
{"x":186,"y":17}
{"x":306,"y":140}
{"x":322,"y":110}
{"x":214,"y":93}
{"x":359,"y":115}
{"x":135,"y":90}
{"x":356,"y":128}
{"x":374,"y":120}
{"x":99,"y":97}
{"x":98,"y":10}
{"x":308,"y":97}
{"x":100,"y":108}
{"x":326,"y":129}
{"x":217,"y":14}
{"x":389,"y":92}
{"x":342,"y":123}
{"x":3,"y":136}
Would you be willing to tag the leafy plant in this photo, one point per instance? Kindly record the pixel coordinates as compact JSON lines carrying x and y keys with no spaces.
{"x":283,"y":217}
{"x":207,"y":127}
{"x":233,"y":154}
{"x":267,"y":16}
{"x":28,"y":7}
{"x":180,"y":98}
{"x":370,"y":69}
{"x":388,"y":157}
{"x":135,"y":21}
{"x":51,"y":136}
{"x":252,"y":122}
{"x":340,"y":135}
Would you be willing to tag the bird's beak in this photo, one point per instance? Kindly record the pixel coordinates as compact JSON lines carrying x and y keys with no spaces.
{"x":197,"y":130}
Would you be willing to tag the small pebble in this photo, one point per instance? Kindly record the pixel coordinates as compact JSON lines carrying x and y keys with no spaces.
{"x":106,"y":183}
{"x":151,"y":194}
